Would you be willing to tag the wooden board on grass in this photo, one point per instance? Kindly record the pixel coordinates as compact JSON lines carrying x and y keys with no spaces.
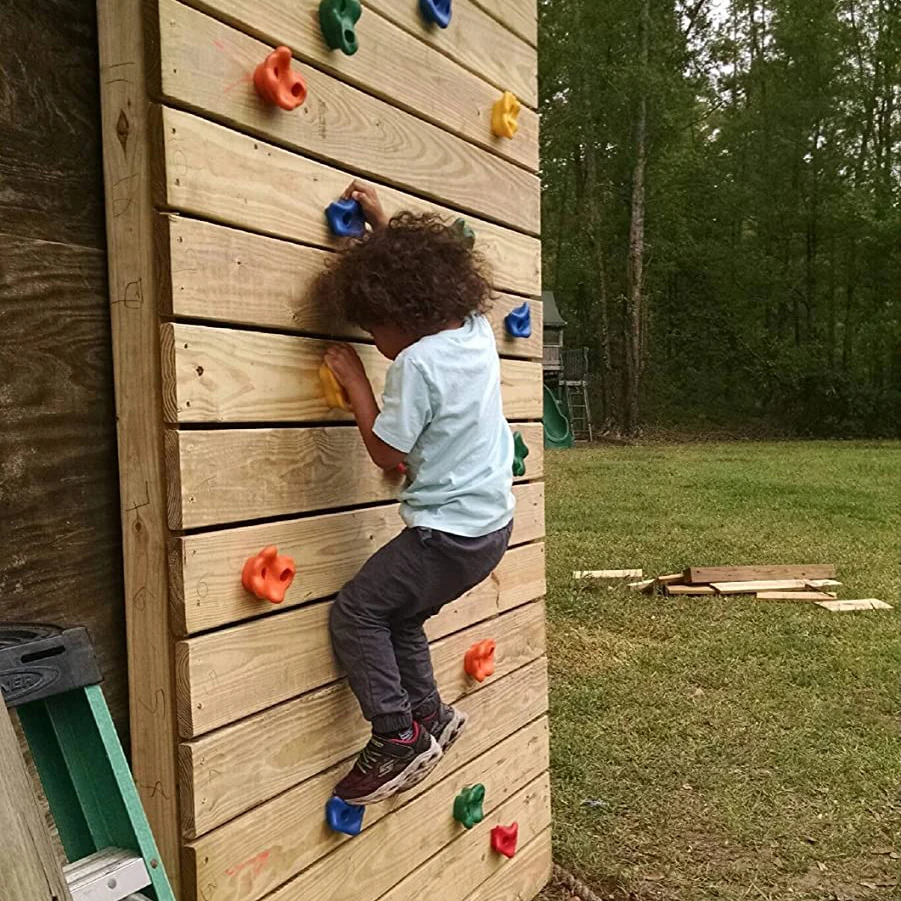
{"x":850,"y":606}
{"x":819,"y":584}
{"x":204,"y":569}
{"x":207,"y":68}
{"x":227,"y":675}
{"x":690,"y":590}
{"x":794,"y":596}
{"x":222,"y":476}
{"x":607,"y":574}
{"x":709,"y":574}
{"x":207,"y":164}
{"x":290,"y":834}
{"x":226,"y":772}
{"x":760,"y":585}
{"x":231,"y":375}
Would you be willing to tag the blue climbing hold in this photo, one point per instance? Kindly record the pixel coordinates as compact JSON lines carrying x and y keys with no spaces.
{"x":519,"y":322}
{"x":436,"y":12}
{"x":344,"y":817}
{"x":345,"y":218}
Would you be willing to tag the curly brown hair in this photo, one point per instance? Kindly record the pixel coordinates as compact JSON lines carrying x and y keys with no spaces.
{"x":416,"y":272}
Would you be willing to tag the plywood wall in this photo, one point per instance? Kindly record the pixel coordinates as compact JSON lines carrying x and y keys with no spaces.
{"x":241,"y":720}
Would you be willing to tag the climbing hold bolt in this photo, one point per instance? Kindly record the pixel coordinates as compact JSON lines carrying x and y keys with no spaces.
{"x":468,"y":806}
{"x":503,"y":839}
{"x":344,"y":817}
{"x":478,"y":661}
{"x":520,"y":452}
{"x":268,"y":575}
{"x":338,"y":20}
{"x":464,"y":232}
{"x":519,"y":322}
{"x":276,"y":83}
{"x":335,"y":395}
{"x":505,"y":116}
{"x":345,"y":218}
{"x":436,"y":12}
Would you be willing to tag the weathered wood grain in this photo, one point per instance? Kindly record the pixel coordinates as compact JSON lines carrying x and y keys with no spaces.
{"x":225,"y":676}
{"x":522,"y":878}
{"x":231,"y":375}
{"x":258,"y":851}
{"x":520,"y":16}
{"x":476,"y":41}
{"x":390,"y":64}
{"x":207,"y":170}
{"x":132,"y":277}
{"x":225,"y":476}
{"x":61,"y":560}
{"x":709,"y":574}
{"x":418,"y":832}
{"x":205,"y":585}
{"x":50,"y":165}
{"x":207,"y":66}
{"x":225,"y":773}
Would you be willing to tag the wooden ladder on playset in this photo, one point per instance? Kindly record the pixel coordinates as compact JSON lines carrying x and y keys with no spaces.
{"x":51,"y":677}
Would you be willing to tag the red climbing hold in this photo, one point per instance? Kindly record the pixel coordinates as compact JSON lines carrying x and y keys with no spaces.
{"x":503,"y":839}
{"x":479,"y":660}
{"x":276,"y":83}
{"x":268,"y":575}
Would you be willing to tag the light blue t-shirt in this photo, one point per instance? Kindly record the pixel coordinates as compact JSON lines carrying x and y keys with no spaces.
{"x":442,"y":408}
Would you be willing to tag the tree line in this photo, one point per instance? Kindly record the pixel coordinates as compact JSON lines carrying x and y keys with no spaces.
{"x":721,"y":209}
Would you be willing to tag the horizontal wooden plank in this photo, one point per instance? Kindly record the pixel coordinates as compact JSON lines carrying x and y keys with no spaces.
{"x":229,"y":475}
{"x":206,"y":592}
{"x":225,"y":773}
{"x":708,"y":574}
{"x":206,"y":170}
{"x":476,"y":41}
{"x":222,"y":274}
{"x":215,"y":374}
{"x":691,"y":590}
{"x":761,"y":585}
{"x":207,"y":66}
{"x":288,"y":833}
{"x":794,"y":596}
{"x":418,"y":831}
{"x":390,"y":64}
{"x":467,"y":862}
{"x":521,"y":878}
{"x":520,"y":16}
{"x":849,"y":606}
{"x":607,"y":574}
{"x":225,"y":676}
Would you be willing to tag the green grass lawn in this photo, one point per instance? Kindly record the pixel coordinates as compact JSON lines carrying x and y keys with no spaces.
{"x":728,"y":748}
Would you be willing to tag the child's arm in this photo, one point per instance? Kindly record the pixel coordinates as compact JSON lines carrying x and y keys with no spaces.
{"x":344,"y":361}
{"x":368,"y":198}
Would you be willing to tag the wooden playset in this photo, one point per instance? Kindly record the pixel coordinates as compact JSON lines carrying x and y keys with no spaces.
{"x":230,"y":127}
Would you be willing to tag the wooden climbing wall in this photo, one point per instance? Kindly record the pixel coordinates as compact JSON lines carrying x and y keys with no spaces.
{"x":241,"y":722}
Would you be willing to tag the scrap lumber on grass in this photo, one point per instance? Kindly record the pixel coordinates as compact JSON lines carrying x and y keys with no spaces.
{"x":708,"y":574}
{"x":848,"y":606}
{"x":795,"y":596}
{"x":822,"y":583}
{"x":760,"y":585}
{"x":693,"y":590}
{"x":608,"y":574}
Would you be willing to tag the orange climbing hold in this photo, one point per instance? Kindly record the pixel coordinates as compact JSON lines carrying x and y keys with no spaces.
{"x":479,"y":660}
{"x":268,"y":575}
{"x":503,"y":839}
{"x":335,"y":396}
{"x":277,"y":83}
{"x":505,"y":116}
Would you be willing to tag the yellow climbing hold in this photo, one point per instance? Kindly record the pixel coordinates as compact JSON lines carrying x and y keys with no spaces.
{"x":505,"y":117}
{"x":334,"y":393}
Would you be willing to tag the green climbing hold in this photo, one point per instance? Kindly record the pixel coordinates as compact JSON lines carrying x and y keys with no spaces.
{"x":465,"y":233}
{"x":338,"y":19}
{"x":468,"y":806}
{"x":520,"y":452}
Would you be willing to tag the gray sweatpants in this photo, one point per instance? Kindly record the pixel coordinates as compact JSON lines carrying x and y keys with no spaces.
{"x":377,"y":619}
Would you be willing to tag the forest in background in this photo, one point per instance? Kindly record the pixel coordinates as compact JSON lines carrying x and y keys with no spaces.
{"x":721,"y":210}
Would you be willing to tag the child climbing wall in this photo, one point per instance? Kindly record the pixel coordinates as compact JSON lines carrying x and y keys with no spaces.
{"x":222,"y":153}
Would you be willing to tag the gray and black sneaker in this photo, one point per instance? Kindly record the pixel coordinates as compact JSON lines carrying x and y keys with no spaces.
{"x":445,"y":725}
{"x":387,"y":766}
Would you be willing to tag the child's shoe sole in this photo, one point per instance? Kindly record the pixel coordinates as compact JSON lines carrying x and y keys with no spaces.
{"x":417,"y":770}
{"x":452,"y":730}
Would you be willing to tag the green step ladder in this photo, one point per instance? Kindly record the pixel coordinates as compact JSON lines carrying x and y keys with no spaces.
{"x":51,"y":677}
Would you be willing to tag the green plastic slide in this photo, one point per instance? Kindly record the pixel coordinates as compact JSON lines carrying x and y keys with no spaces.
{"x":557,"y":432}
